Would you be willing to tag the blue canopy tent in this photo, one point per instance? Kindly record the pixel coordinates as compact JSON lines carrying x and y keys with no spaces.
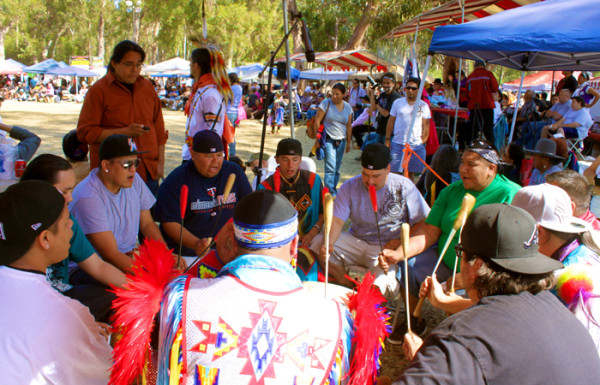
{"x":524,"y":38}
{"x":250,"y":72}
{"x":17,"y":63}
{"x":323,"y":74}
{"x":45,"y":66}
{"x":71,"y":71}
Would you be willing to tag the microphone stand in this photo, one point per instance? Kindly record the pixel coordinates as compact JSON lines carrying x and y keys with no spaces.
{"x":267,"y":99}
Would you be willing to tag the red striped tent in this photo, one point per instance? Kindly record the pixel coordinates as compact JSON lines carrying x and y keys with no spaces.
{"x":362,"y":60}
{"x":451,"y":13}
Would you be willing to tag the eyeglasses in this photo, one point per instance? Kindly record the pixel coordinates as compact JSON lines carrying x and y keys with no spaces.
{"x":126,"y":164}
{"x":130,"y":64}
{"x":412,"y":88}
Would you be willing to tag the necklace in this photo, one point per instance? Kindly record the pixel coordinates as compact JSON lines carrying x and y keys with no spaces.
{"x":292,"y":182}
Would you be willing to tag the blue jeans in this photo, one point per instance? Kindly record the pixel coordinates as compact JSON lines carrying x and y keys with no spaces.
{"x":232,"y":118}
{"x":414,"y":164}
{"x":333,"y":162}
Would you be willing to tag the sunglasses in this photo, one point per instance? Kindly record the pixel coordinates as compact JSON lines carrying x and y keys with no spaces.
{"x":459,"y":250}
{"x":126,"y":164}
{"x":412,"y":88}
{"x":480,"y":145}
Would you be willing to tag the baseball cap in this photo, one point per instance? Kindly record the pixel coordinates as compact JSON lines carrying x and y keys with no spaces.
{"x":26,"y":209}
{"x":506,"y":235}
{"x":73,"y":148}
{"x":207,"y":142}
{"x":551,"y":207}
{"x":375,"y":156}
{"x":256,"y":156}
{"x":289,"y":146}
{"x":118,"y":145}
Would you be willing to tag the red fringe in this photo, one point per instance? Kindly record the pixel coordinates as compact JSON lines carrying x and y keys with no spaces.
{"x":370,"y":331}
{"x":136,"y":305}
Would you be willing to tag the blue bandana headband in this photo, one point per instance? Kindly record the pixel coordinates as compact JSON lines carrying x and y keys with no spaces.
{"x":268,"y":236}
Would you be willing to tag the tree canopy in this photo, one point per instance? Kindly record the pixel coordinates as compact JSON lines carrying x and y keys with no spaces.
{"x":246,"y":30}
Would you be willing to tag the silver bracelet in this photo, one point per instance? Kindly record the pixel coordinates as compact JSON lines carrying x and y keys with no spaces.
{"x":318,"y":228}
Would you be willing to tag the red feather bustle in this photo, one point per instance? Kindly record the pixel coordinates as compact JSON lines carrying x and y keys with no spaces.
{"x":371,"y":328}
{"x":136,"y":305}
{"x":373,"y":196}
{"x":183,"y":197}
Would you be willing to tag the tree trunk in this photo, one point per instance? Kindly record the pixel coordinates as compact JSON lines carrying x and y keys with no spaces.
{"x":3,"y":32}
{"x":360,"y":31}
{"x":48,"y":51}
{"x":101,"y":22}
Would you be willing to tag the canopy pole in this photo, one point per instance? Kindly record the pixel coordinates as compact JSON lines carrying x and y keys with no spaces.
{"x":514,"y":119}
{"x":416,"y":110}
{"x":462,"y":20}
{"x":291,"y":93}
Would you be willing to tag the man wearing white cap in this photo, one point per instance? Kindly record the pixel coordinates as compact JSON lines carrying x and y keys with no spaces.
{"x":566,"y":238}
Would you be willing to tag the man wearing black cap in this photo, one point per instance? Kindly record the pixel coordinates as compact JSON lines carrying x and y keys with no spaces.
{"x":47,"y":338}
{"x":272,"y":330}
{"x":398,"y":202}
{"x":205,"y":175}
{"x":112,"y":204}
{"x":304,"y":191}
{"x":301,"y":187}
{"x":517,"y":332}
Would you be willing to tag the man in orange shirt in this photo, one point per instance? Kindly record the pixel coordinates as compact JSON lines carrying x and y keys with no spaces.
{"x":123,"y":102}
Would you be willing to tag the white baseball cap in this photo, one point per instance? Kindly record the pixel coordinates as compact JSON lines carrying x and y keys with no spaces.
{"x":551,"y":207}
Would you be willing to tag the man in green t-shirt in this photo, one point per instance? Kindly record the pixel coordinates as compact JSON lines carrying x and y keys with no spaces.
{"x":480,"y":178}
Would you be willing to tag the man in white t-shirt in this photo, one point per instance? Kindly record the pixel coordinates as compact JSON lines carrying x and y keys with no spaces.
{"x":47,"y":338}
{"x":399,"y":124}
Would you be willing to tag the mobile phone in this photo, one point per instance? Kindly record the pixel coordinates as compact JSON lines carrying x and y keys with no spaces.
{"x":370,"y":79}
{"x":146,"y":128}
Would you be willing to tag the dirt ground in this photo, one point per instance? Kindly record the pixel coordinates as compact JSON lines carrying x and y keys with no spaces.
{"x":52,"y":121}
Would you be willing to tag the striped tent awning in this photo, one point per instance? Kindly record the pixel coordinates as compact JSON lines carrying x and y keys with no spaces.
{"x":451,"y":13}
{"x":346,"y":60}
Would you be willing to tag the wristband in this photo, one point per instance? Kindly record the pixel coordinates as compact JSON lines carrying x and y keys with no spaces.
{"x":318,"y":228}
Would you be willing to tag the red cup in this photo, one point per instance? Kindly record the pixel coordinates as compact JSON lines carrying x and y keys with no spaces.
{"x":19,"y":167}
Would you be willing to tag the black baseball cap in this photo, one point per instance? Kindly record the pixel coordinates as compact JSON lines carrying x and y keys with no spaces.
{"x":26,"y":209}
{"x":506,"y":235}
{"x":375,"y":156}
{"x":118,"y":145}
{"x":289,"y":146}
{"x":207,"y":142}
{"x":73,"y":148}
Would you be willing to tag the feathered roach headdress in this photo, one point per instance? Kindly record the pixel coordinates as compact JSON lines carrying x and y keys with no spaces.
{"x":218,"y":67}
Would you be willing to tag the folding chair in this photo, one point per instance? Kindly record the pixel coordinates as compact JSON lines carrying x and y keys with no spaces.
{"x":576,"y":144}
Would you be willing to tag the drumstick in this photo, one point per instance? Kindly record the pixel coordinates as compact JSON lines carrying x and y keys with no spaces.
{"x":373,"y":196}
{"x":471,"y":204}
{"x":226,"y":191}
{"x":405,"y":239}
{"x":327,"y":219}
{"x":183,"y":196}
{"x":462,"y":213}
